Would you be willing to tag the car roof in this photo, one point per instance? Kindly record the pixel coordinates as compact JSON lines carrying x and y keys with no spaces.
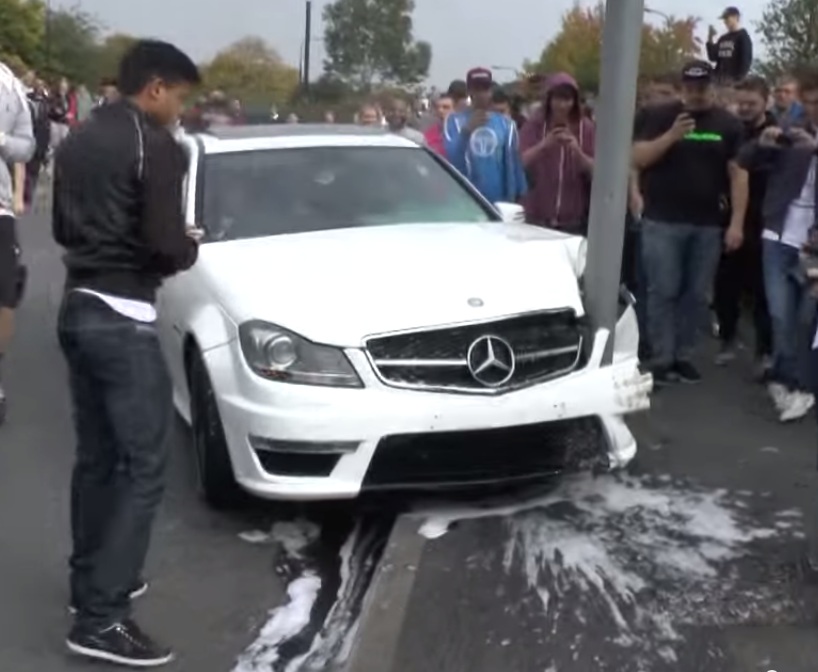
{"x":220,"y":139}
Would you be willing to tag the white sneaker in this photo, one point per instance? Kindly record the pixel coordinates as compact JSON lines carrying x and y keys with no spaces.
{"x":796,"y":405}
{"x":778,"y":393}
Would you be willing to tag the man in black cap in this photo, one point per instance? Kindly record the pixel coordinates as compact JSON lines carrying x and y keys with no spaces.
{"x":732,"y":53}
{"x":685,"y":152}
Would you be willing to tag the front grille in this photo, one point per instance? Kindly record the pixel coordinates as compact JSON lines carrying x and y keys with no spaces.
{"x":545,"y":345}
{"x":525,"y":452}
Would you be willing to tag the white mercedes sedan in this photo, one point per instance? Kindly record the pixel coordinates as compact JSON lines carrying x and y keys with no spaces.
{"x":360,"y":318}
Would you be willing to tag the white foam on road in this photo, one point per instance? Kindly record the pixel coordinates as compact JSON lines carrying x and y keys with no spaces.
{"x":289,"y":620}
{"x":597,"y":545}
{"x":330,"y":645}
{"x":285,"y":622}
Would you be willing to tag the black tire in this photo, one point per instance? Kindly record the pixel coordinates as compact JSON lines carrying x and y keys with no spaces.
{"x":217,"y":482}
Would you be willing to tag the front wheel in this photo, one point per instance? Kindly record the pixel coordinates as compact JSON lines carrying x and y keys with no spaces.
{"x":217,"y":482}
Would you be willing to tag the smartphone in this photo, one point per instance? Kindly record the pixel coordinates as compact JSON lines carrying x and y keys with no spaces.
{"x":784,"y":140}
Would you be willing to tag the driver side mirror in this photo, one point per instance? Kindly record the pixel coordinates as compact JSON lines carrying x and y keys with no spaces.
{"x":512,"y":213}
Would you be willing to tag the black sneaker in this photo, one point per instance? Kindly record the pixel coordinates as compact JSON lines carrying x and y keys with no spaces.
{"x":122,"y":643}
{"x":664,"y":375}
{"x":137,"y":591}
{"x":686,"y":372}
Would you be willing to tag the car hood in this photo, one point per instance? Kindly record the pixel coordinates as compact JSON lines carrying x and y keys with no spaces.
{"x":338,"y":287}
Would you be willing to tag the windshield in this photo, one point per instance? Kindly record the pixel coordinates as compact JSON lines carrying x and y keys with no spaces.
{"x":268,"y":192}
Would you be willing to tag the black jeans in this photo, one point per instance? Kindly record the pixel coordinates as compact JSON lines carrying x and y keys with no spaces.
{"x":121,"y":394}
{"x":741,"y":276}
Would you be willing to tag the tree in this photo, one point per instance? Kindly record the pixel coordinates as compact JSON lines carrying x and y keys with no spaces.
{"x":252,"y":71}
{"x":21,"y":33}
{"x":70,"y":45}
{"x":110,"y":53}
{"x":576,"y":49}
{"x":371,"y":41}
{"x":789,"y":33}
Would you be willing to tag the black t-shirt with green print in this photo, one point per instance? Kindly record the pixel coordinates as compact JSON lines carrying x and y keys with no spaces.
{"x":690,"y":184}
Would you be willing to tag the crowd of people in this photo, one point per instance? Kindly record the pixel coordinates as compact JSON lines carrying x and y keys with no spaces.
{"x":722,"y":215}
{"x":721,"y":203}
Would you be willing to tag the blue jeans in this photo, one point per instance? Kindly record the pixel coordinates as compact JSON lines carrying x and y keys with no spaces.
{"x":787,"y":299}
{"x":680,"y":262}
{"x":121,"y":396}
{"x":634,"y":277}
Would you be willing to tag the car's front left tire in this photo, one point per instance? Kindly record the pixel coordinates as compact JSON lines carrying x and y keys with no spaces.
{"x":217,"y":481}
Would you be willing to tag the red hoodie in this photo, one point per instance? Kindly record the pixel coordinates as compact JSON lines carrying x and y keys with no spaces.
{"x":434,"y":138}
{"x":559,"y":188}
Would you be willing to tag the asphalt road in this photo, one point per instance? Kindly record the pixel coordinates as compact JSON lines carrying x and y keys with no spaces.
{"x":689,"y":564}
{"x":685,"y":565}
{"x":210,"y":591}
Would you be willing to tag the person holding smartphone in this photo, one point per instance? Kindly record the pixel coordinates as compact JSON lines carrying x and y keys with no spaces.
{"x":685,"y":152}
{"x":788,"y":157}
{"x":557,"y":144}
{"x":484,"y":145}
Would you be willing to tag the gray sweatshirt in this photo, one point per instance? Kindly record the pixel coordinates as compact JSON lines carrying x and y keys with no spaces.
{"x":16,"y":136}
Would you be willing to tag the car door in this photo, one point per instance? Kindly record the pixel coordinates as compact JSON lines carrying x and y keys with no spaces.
{"x":177,"y":299}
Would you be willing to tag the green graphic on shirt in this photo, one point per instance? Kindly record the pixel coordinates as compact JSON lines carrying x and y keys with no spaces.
{"x":704,"y":137}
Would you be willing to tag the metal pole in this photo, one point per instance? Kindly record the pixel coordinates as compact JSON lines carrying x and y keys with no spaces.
{"x":621,"y":43}
{"x":307,"y":43}
{"x":301,"y":64}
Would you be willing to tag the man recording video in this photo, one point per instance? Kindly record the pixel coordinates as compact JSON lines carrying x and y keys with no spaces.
{"x":789,"y":159}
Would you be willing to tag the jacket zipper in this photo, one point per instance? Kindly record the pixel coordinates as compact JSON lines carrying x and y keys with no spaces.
{"x":560,"y":176}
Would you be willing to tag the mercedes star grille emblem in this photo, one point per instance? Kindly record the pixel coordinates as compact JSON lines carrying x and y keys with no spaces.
{"x":491,"y":361}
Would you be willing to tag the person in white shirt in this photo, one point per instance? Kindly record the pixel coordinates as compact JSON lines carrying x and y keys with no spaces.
{"x":789,"y":157}
{"x":397,"y":120}
{"x":16,"y":148}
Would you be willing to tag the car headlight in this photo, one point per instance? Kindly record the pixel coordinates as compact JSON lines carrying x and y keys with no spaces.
{"x":281,"y":355}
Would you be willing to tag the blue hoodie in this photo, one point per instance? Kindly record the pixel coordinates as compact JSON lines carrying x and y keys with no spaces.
{"x":792,"y":116}
{"x":489,"y":157}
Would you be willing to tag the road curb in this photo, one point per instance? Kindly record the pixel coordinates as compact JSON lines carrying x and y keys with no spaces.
{"x":386,"y":603}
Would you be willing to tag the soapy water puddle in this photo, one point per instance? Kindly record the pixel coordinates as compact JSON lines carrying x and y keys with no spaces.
{"x":622,"y":567}
{"x":316,"y":626}
{"x":626,"y":563}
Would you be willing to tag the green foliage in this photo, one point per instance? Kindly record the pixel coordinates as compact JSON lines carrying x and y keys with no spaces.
{"x":110,"y":53}
{"x":577,"y":47}
{"x":21,"y":32}
{"x":371,"y":42}
{"x":70,"y":45}
{"x":252,"y":71}
{"x":789,"y":34}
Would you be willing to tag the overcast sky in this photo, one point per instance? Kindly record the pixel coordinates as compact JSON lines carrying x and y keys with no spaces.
{"x":463,"y":33}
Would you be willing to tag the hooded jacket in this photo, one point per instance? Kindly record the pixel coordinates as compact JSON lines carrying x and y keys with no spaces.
{"x":16,"y":134}
{"x":560,"y":189}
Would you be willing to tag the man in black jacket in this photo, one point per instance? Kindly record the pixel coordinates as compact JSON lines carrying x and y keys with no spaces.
{"x":732,"y":53}
{"x":118,"y":213}
{"x":740,"y":272}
